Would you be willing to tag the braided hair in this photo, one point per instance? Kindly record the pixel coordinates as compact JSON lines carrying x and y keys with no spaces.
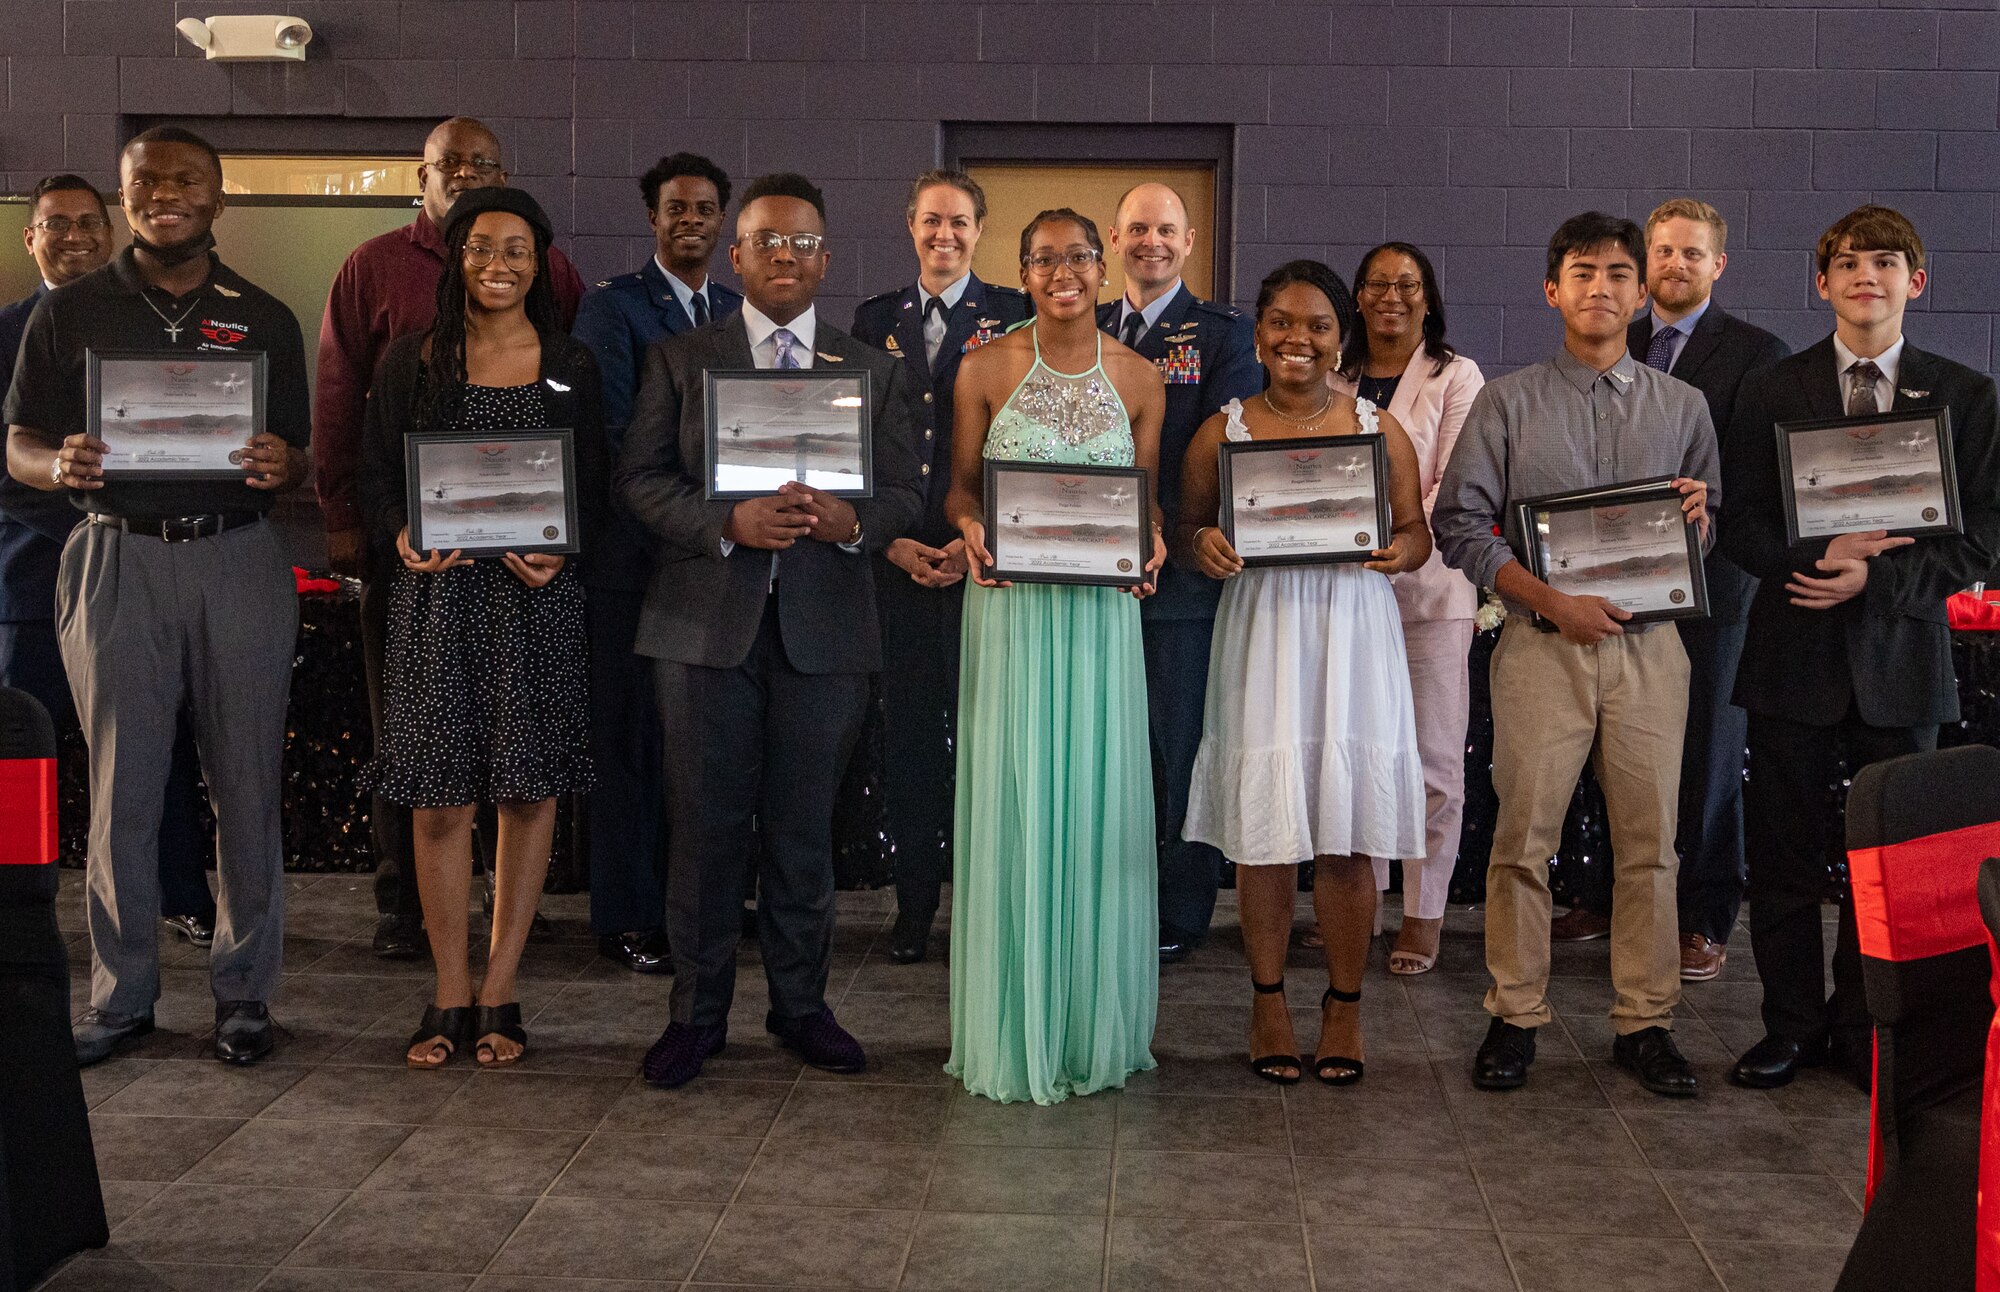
{"x":441,"y":379}
{"x":1313,"y":274}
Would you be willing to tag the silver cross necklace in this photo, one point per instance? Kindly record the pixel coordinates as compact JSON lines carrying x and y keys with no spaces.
{"x":173,"y":328}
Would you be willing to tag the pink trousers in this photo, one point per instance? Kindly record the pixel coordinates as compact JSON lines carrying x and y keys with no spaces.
{"x":1437,"y":650}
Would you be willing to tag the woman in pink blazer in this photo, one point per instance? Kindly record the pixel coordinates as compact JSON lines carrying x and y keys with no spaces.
{"x":1400,"y":361}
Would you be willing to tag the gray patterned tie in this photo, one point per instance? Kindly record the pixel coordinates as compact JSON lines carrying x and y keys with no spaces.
{"x":1861,"y":378}
{"x":1660,"y":351}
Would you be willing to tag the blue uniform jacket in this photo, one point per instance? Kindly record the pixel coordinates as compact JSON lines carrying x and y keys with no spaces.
{"x":619,"y":319}
{"x":1207,"y":354}
{"x":894,"y":321}
{"x":33,"y":523}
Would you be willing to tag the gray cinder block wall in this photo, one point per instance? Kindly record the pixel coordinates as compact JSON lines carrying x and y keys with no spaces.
{"x":1465,"y":127}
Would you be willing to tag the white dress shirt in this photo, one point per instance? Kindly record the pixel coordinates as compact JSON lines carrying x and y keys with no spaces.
{"x":1890,"y":361}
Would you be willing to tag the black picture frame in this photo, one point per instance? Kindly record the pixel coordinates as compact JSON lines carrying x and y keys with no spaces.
{"x":998,"y":473}
{"x":94,"y":362}
{"x":1537,"y":557}
{"x":1235,"y":452}
{"x":1936,"y":419}
{"x":570,"y":539}
{"x":856,"y":380}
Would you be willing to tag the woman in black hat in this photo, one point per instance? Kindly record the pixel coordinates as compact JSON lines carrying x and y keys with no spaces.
{"x":485,"y":694}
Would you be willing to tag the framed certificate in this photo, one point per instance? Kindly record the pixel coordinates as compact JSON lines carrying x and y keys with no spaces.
{"x":1064,"y":524}
{"x":174,"y":415}
{"x":1634,"y":547}
{"x":487,"y":493}
{"x":1893,"y":471}
{"x":767,"y":426}
{"x":1306,"y":501}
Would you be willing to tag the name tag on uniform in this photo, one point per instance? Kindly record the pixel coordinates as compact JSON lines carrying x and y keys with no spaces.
{"x":1181,"y":366}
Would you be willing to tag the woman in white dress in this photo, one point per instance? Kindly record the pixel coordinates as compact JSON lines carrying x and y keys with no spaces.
{"x":1309,"y":744}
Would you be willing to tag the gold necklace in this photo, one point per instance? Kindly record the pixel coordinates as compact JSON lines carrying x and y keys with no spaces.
{"x":1310,"y":422}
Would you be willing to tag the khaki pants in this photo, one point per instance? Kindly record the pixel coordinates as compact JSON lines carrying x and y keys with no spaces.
{"x":1622,"y":704}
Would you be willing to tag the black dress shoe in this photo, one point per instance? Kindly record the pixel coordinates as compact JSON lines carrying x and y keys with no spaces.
{"x":640,"y":952}
{"x":1651,"y":1055}
{"x":194,"y":928}
{"x":242,"y":1031}
{"x":1774,"y":1061}
{"x":98,"y":1034}
{"x":821,"y":1042}
{"x":676,"y":1058}
{"x":910,"y":941}
{"x":399,"y":937}
{"x":1504,"y":1056}
{"x":1175,"y":946}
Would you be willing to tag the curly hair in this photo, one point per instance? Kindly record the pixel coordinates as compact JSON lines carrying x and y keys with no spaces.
{"x":441,"y":383}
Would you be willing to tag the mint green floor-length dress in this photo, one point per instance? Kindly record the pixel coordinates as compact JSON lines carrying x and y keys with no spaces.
{"x":1055,"y":901}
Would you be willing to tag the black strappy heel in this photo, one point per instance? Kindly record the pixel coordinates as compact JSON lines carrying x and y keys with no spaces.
{"x":449,"y":1028}
{"x":498,"y":1020}
{"x":1345,"y":1071}
{"x":1271,"y":1066}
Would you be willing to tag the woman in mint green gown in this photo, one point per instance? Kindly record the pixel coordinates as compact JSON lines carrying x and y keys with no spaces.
{"x":1054,"y":919}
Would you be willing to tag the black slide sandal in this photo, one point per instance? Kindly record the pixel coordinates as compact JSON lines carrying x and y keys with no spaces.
{"x":1345,"y":1071}
{"x":1271,"y":1066}
{"x":499,"y":1020}
{"x":449,"y":1028}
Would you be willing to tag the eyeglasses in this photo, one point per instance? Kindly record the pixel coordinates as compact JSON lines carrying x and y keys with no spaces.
{"x":58,"y":225}
{"x":452,"y":163}
{"x":1407,"y":288}
{"x":1045,"y":262}
{"x":770,"y":244}
{"x":478,"y":255}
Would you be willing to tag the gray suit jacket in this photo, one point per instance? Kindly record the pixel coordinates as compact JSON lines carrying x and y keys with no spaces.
{"x":702,"y":607}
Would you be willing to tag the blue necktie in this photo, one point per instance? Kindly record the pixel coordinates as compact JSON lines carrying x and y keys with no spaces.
{"x":1660,"y":354}
{"x":1134,"y":329}
{"x":785,"y":340}
{"x":700,"y":309}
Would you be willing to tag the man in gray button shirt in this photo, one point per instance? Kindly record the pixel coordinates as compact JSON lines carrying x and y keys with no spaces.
{"x":1590,"y":417}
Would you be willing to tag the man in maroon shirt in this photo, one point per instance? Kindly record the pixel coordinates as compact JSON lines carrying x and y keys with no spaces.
{"x":387,"y":289}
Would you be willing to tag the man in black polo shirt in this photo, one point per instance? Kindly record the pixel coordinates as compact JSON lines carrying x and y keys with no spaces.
{"x":176,"y":592}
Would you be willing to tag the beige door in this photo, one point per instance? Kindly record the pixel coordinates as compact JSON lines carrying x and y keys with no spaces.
{"x":1016,"y":193}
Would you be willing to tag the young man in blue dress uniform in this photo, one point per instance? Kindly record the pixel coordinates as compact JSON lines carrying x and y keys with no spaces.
{"x":1206,"y":351}
{"x":619,"y":320}
{"x":931,"y":325}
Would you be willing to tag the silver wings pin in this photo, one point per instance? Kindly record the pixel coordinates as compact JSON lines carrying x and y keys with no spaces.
{"x":1914,"y":394}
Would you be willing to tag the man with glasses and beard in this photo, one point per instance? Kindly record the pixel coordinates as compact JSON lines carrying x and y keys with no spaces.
{"x":386,"y":289}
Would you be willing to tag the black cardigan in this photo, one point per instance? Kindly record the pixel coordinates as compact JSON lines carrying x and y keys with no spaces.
{"x":569,"y":377}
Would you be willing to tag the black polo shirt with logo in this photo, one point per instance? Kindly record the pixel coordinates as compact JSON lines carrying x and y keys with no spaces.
{"x":105,"y":310}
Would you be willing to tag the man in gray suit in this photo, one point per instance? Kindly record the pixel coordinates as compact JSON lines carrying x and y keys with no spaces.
{"x":761,"y":619}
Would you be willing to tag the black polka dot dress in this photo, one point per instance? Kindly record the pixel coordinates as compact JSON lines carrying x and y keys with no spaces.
{"x":485,"y":680}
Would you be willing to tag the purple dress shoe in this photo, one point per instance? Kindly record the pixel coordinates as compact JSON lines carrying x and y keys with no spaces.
{"x":676,"y":1058}
{"x":821,"y":1042}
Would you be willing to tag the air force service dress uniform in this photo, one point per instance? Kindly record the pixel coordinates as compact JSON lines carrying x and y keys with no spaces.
{"x":920,"y":626}
{"x":1206,"y":352}
{"x":619,"y":320}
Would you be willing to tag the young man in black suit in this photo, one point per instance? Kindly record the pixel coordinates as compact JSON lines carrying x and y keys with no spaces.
{"x":760,"y":618}
{"x":1688,"y":335}
{"x":1848,"y":647}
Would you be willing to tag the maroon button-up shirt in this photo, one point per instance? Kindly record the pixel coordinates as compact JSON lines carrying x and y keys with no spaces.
{"x":387,"y":289}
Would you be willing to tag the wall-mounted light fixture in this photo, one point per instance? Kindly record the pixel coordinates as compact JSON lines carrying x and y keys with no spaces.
{"x":248,"y":38}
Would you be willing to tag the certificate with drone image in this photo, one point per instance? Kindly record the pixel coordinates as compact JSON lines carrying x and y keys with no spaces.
{"x":172,"y":415}
{"x":1306,"y":501}
{"x":1845,"y":475}
{"x":1633,"y":547}
{"x":768,"y":426}
{"x":487,"y":493}
{"x":1064,"y":524}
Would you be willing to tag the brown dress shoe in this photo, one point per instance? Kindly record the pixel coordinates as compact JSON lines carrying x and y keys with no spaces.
{"x":1579,"y":925}
{"x":1701,"y":959}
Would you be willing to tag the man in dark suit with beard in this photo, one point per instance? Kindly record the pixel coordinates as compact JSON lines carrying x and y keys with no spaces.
{"x":761,"y":617}
{"x":1849,"y":648}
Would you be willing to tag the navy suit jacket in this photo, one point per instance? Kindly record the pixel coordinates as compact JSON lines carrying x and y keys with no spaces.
{"x":621,"y":318}
{"x":1887,"y":652}
{"x":894,"y":322}
{"x":1225,"y":342}
{"x":1719,"y":353}
{"x":33,"y":523}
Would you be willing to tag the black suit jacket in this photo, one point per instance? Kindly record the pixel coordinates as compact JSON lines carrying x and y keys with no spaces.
{"x":893,"y":321}
{"x":702,"y":607}
{"x":1887,"y":651}
{"x":1720,"y":352}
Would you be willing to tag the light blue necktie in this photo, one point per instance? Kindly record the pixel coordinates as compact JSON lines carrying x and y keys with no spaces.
{"x":785,"y":340}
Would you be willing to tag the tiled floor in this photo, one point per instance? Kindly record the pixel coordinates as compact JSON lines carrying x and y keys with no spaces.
{"x":330,"y":1167}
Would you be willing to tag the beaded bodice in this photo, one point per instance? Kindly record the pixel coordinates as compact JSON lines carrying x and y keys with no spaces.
{"x":1071,"y":418}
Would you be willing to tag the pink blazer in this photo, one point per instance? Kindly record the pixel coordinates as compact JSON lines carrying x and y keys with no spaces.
{"x":1431,"y":410}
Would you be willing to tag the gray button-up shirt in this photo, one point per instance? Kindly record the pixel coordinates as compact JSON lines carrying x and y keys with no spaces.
{"x":1561,"y":426}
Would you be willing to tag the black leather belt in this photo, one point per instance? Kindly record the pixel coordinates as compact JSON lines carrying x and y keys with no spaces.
{"x":179,"y":529}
